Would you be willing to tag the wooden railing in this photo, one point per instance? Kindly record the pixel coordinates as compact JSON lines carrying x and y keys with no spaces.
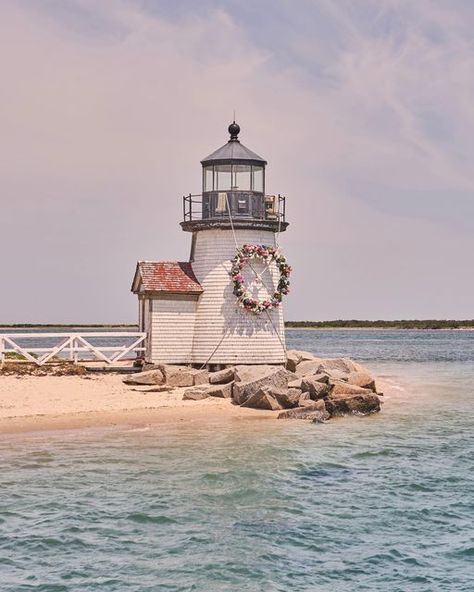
{"x":72,"y":346}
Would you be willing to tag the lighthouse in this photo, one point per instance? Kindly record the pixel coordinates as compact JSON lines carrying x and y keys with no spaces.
{"x":225,"y":305}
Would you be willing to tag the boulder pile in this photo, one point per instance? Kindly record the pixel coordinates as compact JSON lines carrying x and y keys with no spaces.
{"x":308,"y":387}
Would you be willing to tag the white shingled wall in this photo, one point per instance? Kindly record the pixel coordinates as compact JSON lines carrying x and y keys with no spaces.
{"x":246,"y":338}
{"x":171,"y":329}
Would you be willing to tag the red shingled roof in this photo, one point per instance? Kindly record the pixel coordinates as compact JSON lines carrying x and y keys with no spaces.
{"x":166,"y":276}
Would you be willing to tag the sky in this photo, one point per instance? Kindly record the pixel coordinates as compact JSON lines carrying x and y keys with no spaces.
{"x":364,"y":110}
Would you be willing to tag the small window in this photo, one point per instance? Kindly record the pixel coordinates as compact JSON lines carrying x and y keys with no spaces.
{"x":257,"y":179}
{"x":208,"y":178}
{"x":223,"y":175}
{"x":241,"y":177}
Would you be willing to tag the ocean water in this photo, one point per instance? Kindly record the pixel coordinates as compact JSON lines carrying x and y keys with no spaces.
{"x":382,"y":503}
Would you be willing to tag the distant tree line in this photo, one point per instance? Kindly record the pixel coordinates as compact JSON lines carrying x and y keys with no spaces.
{"x":338,"y":324}
{"x":402,"y":324}
{"x":67,"y":326}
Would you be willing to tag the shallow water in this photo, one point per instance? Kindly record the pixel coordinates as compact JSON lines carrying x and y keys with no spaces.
{"x":378,"y":503}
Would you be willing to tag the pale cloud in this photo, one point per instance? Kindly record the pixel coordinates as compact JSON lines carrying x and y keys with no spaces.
{"x":106,"y":109}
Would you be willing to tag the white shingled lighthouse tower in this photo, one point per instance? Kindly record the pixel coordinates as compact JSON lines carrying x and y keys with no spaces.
{"x":224,"y":306}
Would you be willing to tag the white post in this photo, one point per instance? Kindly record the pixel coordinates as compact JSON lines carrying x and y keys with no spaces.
{"x":76,"y":353}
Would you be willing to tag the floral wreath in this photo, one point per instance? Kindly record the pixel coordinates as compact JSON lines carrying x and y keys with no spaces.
{"x":268,"y":254}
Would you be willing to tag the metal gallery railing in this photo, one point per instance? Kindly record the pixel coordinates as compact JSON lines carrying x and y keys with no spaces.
{"x":40,"y":348}
{"x":244,"y":205}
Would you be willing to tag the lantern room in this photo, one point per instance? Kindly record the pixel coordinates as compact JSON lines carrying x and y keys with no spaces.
{"x":233,"y":190}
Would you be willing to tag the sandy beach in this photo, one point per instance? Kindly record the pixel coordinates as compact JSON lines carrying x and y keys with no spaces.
{"x":33,"y":403}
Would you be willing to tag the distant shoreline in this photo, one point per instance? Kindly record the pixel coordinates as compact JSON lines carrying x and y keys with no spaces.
{"x":352,"y":328}
{"x":430,"y":325}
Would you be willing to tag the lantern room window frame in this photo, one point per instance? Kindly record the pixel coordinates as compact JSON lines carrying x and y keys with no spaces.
{"x":211,"y":177}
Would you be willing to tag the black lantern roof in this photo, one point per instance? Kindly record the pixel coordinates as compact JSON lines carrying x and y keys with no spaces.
{"x":233,"y":151}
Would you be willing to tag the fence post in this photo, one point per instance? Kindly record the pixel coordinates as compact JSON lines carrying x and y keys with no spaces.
{"x":2,"y":350}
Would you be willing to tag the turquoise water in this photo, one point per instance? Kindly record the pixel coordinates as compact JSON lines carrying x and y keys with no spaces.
{"x":383,"y":503}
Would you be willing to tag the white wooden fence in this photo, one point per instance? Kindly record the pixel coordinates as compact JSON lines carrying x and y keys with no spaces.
{"x":72,"y":346}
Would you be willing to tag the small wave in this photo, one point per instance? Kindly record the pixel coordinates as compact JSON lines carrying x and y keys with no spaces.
{"x":142,"y":518}
{"x":325,"y":472}
{"x":375,"y":453}
{"x":466,"y":552}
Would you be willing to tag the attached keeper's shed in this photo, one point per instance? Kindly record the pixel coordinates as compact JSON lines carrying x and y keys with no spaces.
{"x":168,"y":293}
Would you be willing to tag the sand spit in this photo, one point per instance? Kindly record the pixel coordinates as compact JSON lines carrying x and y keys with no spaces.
{"x":30,"y":403}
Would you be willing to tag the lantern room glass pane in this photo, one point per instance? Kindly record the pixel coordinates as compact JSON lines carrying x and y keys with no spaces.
{"x":257,"y":179}
{"x":208,"y":179}
{"x":223,"y":177}
{"x":241,"y":177}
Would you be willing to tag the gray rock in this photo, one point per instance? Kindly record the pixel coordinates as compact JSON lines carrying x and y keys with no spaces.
{"x":180,"y":376}
{"x":304,"y":399}
{"x":200,"y":376}
{"x":149,"y":378}
{"x":287,"y":398}
{"x":295,"y":357}
{"x":262,"y":399}
{"x":337,"y":375}
{"x":316,"y":389}
{"x":363,"y":379}
{"x":157,"y":389}
{"x":222,"y":376}
{"x":318,"y":377}
{"x":315,"y":412}
{"x":363,"y":404}
{"x":308,"y":367}
{"x":342,"y":389}
{"x":295,"y":383}
{"x":344,"y":365}
{"x":195,"y":394}
{"x":292,"y":360}
{"x":224,"y":391}
{"x":250,"y":379}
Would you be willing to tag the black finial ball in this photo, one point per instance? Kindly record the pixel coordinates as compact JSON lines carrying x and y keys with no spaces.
{"x":234,"y":130}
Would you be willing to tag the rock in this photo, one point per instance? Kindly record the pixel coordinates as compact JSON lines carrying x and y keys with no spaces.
{"x":222,"y":376}
{"x":342,"y":389}
{"x":308,"y":367}
{"x":345,"y":365}
{"x":337,"y":375}
{"x":200,"y":376}
{"x":316,"y":412}
{"x":363,"y":379}
{"x":295,"y":383}
{"x":149,"y":378}
{"x":362,"y":404}
{"x":250,"y":379}
{"x":316,"y":389}
{"x":195,"y":394}
{"x":293,"y":392}
{"x":184,"y":375}
{"x":292,"y":360}
{"x":224,"y":391}
{"x":294,"y":357}
{"x":287,"y":398}
{"x":359,"y":368}
{"x":157,"y":389}
{"x":304,"y":399}
{"x":262,"y":399}
{"x":319,"y":377}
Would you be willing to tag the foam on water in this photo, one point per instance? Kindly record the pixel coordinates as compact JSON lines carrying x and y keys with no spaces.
{"x":371,"y":504}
